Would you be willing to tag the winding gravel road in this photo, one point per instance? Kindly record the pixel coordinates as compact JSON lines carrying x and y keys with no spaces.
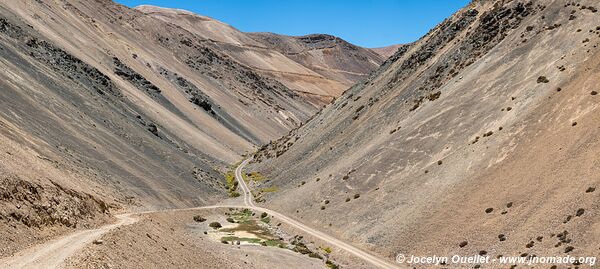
{"x":376,"y":261}
{"x":54,"y":253}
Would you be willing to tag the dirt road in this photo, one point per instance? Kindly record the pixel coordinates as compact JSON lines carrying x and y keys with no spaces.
{"x":54,"y":253}
{"x":376,"y":261}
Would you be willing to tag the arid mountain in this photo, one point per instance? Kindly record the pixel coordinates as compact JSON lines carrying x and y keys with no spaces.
{"x":388,"y":51}
{"x":481,"y":137}
{"x":318,"y":67}
{"x":327,"y":55}
{"x":107,"y":108}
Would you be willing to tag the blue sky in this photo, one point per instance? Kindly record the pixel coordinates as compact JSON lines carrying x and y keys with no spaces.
{"x":367,"y":23}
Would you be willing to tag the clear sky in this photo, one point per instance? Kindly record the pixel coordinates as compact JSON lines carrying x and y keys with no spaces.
{"x":367,"y":23}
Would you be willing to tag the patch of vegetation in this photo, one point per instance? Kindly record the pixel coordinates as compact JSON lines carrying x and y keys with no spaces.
{"x":590,"y":189}
{"x":502,"y":237}
{"x":275,"y":243}
{"x":257,"y":176}
{"x":230,"y":220}
{"x":331,"y":265}
{"x":542,"y":79}
{"x":326,"y":250}
{"x":269,"y":189}
{"x":199,"y":218}
{"x":315,"y":255}
{"x":245,"y":178}
{"x":241,"y":239}
{"x":301,"y":248}
{"x":242,"y":216}
{"x":232,"y":184}
{"x":434,"y":96}
{"x":215,"y":225}
{"x":266,"y":220}
{"x":256,"y":240}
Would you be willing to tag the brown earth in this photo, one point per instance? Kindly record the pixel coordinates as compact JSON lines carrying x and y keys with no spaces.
{"x":321,"y":66}
{"x":108,"y":109}
{"x":485,"y":126}
{"x":388,"y":51}
{"x":174,"y":240}
{"x":479,"y":138}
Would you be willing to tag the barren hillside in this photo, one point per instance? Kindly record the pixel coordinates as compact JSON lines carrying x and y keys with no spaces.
{"x":318,"y":67}
{"x":388,"y":51}
{"x":105,"y":108}
{"x":481,"y":137}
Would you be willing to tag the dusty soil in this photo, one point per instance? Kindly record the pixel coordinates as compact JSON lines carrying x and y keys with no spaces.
{"x":175,"y":240}
{"x":487,"y":126}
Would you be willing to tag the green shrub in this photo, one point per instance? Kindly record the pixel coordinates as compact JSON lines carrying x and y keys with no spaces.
{"x":269,"y":189}
{"x":263,"y":215}
{"x":215,"y":225}
{"x":230,"y":220}
{"x":198,"y":218}
{"x":331,"y":265}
